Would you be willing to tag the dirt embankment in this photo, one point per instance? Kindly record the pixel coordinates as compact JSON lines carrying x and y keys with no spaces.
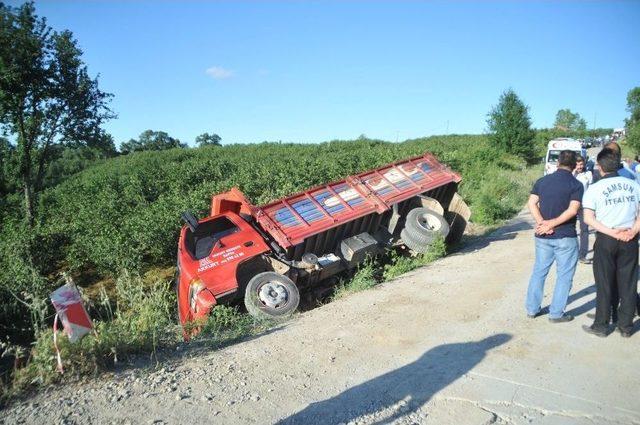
{"x":446,"y":344}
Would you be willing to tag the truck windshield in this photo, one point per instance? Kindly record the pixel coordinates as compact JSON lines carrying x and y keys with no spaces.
{"x":200,"y":243}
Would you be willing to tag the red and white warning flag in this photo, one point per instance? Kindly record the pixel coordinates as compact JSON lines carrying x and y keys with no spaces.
{"x":71,"y":312}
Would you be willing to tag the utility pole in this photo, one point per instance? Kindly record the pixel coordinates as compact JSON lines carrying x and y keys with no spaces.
{"x":447,"y":127}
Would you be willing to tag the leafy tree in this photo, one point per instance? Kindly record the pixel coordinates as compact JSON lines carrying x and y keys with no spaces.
{"x":633,"y":122}
{"x":633,"y":104}
{"x":569,"y":121}
{"x":7,"y":167}
{"x":633,"y":136}
{"x":102,"y":142}
{"x":510,"y":126}
{"x":150,"y":140}
{"x":46,"y":94}
{"x":206,"y":139}
{"x":71,"y":161}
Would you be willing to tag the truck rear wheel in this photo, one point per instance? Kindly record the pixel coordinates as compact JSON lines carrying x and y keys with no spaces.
{"x":423,"y":226}
{"x":270,"y":295}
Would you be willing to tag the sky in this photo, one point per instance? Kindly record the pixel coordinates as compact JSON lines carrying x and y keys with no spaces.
{"x":320,"y":70}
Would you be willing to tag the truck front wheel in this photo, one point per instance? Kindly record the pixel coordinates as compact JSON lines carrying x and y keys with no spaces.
{"x":422,"y":226}
{"x":270,"y":295}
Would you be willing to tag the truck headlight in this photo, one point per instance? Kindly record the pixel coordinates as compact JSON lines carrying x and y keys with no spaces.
{"x":195,"y":286}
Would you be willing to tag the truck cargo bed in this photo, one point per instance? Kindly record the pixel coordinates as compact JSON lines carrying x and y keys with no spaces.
{"x":295,"y":218}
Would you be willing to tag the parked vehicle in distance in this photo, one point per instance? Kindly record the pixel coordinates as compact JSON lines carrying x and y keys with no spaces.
{"x":265,"y":254}
{"x":555,"y":146}
{"x":618,"y":133}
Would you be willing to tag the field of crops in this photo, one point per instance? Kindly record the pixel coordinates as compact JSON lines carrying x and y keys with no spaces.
{"x":122,"y":215}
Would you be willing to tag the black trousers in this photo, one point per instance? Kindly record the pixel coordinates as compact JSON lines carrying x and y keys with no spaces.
{"x":615,"y":266}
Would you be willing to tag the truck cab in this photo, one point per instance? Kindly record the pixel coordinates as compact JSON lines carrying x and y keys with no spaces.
{"x":210,"y":253}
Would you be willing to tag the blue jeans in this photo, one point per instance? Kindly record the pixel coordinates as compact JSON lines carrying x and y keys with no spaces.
{"x":564,"y":252}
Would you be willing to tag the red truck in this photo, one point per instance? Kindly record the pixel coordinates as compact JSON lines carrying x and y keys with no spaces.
{"x":266,"y":253}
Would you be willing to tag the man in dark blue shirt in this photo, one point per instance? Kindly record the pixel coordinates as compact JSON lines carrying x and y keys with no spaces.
{"x":554,"y":202}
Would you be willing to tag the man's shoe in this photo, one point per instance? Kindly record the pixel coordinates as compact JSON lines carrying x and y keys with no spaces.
{"x":613,"y":321}
{"x":564,"y":318}
{"x":596,"y":332}
{"x":585,"y":260}
{"x":533,"y":316}
{"x":624,"y":334}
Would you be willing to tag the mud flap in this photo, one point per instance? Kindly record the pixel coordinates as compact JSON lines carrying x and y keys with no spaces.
{"x":432,"y":204}
{"x":393,"y":221}
{"x":457,"y":215}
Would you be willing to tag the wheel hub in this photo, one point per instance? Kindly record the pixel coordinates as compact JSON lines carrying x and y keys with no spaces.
{"x":273,"y":294}
{"x":429,"y":222}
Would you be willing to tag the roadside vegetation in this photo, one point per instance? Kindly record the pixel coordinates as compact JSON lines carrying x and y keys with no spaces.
{"x":395,"y":263}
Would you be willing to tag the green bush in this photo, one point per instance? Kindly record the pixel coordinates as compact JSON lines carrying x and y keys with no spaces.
{"x":226,"y":324}
{"x":125,"y":212}
{"x":364,"y":278}
{"x":400,"y":263}
{"x":395,"y":263}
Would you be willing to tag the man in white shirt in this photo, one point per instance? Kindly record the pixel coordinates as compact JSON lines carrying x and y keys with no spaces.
{"x":611,"y":208}
{"x":585,"y":177}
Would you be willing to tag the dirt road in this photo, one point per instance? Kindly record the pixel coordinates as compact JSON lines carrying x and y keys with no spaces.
{"x":446,"y":344}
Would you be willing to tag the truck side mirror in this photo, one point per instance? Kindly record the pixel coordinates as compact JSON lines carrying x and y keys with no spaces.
{"x":190,"y":220}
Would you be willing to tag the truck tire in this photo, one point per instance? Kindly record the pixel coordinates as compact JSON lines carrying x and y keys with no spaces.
{"x":270,"y":295}
{"x":422,"y":226}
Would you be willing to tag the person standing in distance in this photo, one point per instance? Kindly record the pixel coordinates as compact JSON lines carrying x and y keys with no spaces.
{"x":623,"y":169}
{"x":586,"y":178}
{"x":554,"y":203}
{"x":611,"y":208}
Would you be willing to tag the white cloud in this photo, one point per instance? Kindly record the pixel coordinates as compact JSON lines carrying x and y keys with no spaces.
{"x":219,"y":73}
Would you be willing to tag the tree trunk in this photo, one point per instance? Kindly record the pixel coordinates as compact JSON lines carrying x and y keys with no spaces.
{"x":28,"y":203}
{"x":26,"y":144}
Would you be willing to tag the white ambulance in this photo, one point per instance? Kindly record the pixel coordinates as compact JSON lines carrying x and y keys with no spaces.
{"x":556,"y":146}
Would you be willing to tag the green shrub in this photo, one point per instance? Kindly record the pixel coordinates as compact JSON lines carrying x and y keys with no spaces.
{"x":400,"y":263}
{"x":364,"y":278}
{"x":395,"y":264}
{"x":226,"y":324}
{"x":125,"y":212}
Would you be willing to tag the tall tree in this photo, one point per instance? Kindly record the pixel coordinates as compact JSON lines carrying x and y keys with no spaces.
{"x":150,"y":140}
{"x":7,"y":155}
{"x":46,"y":94}
{"x":632,"y":123}
{"x":510,"y":126}
{"x":206,"y":139}
{"x":633,"y":105}
{"x":569,"y":121}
